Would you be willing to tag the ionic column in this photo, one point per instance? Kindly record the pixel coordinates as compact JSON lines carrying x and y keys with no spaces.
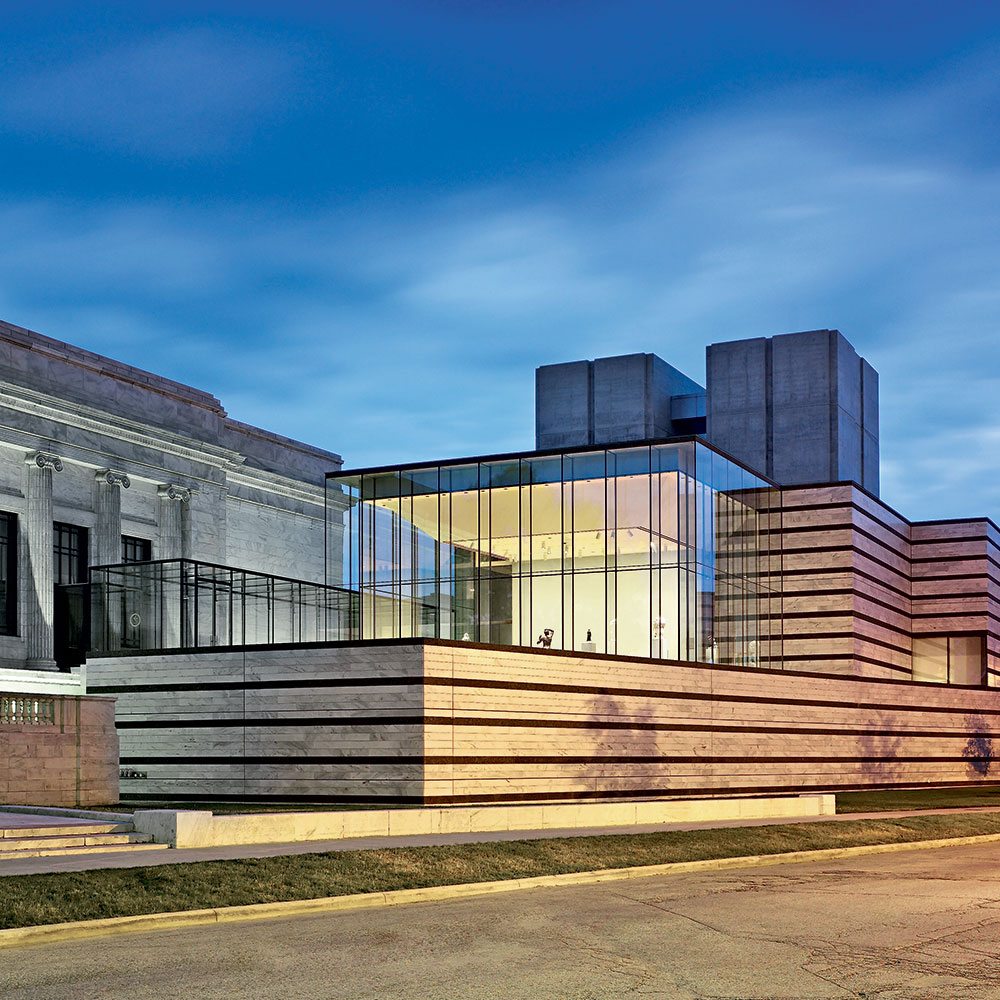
{"x":39,"y":601}
{"x":174,"y":529}
{"x":174,"y":544}
{"x":106,"y":550}
{"x":106,"y":547}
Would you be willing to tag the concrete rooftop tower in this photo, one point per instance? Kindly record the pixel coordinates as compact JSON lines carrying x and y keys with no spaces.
{"x":632,"y":397}
{"x":800,"y":408}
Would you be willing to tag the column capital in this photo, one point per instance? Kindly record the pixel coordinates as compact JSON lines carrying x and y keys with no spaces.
{"x":174,"y":492}
{"x":44,"y":460}
{"x":113,"y":478}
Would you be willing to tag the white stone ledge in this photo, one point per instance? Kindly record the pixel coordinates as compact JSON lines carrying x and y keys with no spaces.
{"x":45,"y":682}
{"x":197,"y":828}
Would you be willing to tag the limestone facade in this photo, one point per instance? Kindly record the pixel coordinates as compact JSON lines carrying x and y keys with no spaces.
{"x":437,"y":721}
{"x":864,"y":590}
{"x":116,"y":451}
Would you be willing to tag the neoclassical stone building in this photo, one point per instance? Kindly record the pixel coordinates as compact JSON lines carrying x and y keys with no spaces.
{"x":103,"y":463}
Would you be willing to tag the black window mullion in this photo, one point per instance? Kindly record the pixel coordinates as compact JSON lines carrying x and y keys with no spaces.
{"x":8,"y":568}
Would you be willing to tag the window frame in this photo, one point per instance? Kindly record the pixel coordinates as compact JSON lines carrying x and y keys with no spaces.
{"x":81,"y":555}
{"x":134,"y":541}
{"x":947,"y":639}
{"x":10,"y":565}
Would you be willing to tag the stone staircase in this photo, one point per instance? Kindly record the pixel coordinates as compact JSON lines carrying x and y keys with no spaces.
{"x":54,"y":840}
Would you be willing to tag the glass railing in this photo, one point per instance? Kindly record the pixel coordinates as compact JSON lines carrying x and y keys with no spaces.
{"x":185,"y":604}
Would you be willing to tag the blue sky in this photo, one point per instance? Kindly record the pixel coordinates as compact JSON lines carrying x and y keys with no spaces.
{"x":364,"y":225}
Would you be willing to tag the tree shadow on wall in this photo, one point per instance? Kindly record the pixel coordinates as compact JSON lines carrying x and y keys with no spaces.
{"x":627,"y":753}
{"x":978,"y":751}
{"x":879,"y":755}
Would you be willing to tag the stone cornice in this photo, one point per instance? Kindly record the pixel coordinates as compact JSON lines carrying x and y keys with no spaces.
{"x":293,"y":489}
{"x":34,"y":343}
{"x":229,"y":462}
{"x":93,"y":421}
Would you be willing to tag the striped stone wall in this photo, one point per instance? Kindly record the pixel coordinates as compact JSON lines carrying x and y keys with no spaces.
{"x":319,"y":723}
{"x":858,"y":582}
{"x":956,"y":583}
{"x":845,"y":583}
{"x":438,"y":721}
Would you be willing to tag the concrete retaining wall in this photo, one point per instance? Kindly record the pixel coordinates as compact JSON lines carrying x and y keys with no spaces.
{"x":203,"y":829}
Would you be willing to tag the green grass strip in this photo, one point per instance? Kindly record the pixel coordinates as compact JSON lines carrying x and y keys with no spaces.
{"x":917,"y":798}
{"x":28,"y":900}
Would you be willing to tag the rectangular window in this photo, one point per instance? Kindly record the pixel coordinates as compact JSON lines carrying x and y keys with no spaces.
{"x":69,"y":553}
{"x":956,"y":659}
{"x":8,"y":574}
{"x":136,"y":550}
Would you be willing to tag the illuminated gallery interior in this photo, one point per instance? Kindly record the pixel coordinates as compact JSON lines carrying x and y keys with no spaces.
{"x":662,"y":550}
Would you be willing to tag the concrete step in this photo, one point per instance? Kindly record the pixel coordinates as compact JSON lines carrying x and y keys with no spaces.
{"x":60,"y":852}
{"x":9,"y":844}
{"x":69,"y":830}
{"x":62,"y":839}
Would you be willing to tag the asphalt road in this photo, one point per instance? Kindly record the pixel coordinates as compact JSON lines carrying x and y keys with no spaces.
{"x":911,"y":925}
{"x":145,"y":859}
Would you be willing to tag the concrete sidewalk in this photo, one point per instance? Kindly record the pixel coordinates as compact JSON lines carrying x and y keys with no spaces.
{"x":36,"y":866}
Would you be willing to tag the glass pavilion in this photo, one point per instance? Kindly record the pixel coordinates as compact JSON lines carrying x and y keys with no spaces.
{"x":662,"y":550}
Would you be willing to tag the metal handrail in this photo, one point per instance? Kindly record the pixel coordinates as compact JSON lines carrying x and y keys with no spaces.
{"x":170,"y":604}
{"x":220,"y":566}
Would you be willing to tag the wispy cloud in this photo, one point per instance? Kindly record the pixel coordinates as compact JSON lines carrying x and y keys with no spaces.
{"x":179,"y":94}
{"x":411,"y":330}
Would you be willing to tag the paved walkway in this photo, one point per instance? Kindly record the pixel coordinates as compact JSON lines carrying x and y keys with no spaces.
{"x":88,"y":862}
{"x":920,"y":924}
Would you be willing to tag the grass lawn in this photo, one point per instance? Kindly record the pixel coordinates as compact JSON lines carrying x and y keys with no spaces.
{"x":917,"y":798}
{"x":27,"y":900}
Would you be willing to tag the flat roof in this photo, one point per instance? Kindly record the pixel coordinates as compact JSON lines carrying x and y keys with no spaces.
{"x":547,"y":453}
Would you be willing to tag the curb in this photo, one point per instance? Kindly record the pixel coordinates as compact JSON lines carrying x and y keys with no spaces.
{"x":52,"y":933}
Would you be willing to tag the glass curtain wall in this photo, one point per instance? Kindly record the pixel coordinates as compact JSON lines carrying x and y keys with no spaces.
{"x":659,"y":551}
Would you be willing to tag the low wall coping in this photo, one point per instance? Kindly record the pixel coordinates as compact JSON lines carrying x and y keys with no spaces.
{"x":201,"y":828}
